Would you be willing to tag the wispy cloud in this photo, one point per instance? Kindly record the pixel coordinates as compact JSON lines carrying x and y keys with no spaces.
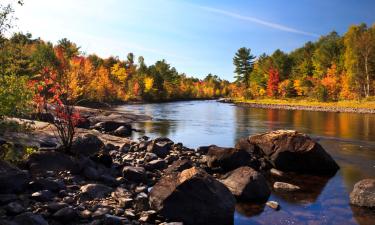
{"x":258,"y":21}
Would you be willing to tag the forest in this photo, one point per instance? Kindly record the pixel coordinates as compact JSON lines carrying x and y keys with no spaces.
{"x":333,"y":68}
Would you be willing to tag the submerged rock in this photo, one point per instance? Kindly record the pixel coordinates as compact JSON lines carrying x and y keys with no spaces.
{"x":290,"y":150}
{"x":246,"y":184}
{"x":285,"y":187}
{"x":193,"y":197}
{"x":363,"y":193}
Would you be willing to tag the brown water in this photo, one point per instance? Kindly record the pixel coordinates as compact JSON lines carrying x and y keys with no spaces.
{"x":348,"y":137}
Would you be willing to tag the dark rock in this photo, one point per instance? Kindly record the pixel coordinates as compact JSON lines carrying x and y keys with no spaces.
{"x":135,"y":174}
{"x":160,"y":146}
{"x":157,"y":164}
{"x":55,"y":206}
{"x":141,"y":202}
{"x":228,"y":158}
{"x":123,"y":131}
{"x":113,"y":220}
{"x":6,"y":198}
{"x":45,"y":117}
{"x":363,"y":193}
{"x":246,"y":184}
{"x":203,"y":149}
{"x":92,"y":191}
{"x":109,"y":126}
{"x":29,"y":218}
{"x":41,"y":162}
{"x":12,"y":179}
{"x":193,"y":197}
{"x":90,"y":173}
{"x":296,"y":152}
{"x":48,"y":183}
{"x":179,"y":166}
{"x":42,"y":196}
{"x":103,"y":158}
{"x":125,"y":148}
{"x":14,"y":208}
{"x":83,"y":123}
{"x":87,"y":145}
{"x":66,"y":215}
{"x":100,"y":212}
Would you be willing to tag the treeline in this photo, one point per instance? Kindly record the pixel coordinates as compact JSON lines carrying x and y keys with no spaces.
{"x":95,"y":79}
{"x":333,"y":68}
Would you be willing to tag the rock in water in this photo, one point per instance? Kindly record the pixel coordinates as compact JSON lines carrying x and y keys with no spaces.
{"x":246,"y":184}
{"x":123,"y":131}
{"x":285,"y":187}
{"x":363,"y":193}
{"x":292,"y":151}
{"x":12,"y":179}
{"x":87,"y":145}
{"x":194,"y":198}
{"x":227,"y":158}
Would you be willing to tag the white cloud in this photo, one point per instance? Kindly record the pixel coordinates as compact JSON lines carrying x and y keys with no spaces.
{"x":258,"y":21}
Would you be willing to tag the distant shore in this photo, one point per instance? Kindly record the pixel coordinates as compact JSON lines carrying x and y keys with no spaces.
{"x":347,"y":106}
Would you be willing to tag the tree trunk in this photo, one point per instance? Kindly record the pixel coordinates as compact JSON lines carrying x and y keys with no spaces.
{"x":367,"y":93}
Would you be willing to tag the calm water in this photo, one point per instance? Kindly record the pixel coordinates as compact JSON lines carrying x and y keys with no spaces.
{"x":348,"y":137}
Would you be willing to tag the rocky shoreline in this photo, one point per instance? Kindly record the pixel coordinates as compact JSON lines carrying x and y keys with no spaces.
{"x":299,"y":107}
{"x":107,"y":179}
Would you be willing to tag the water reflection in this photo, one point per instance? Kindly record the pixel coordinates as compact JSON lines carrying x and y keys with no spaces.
{"x":348,"y":137}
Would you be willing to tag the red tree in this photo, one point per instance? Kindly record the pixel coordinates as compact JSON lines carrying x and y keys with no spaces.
{"x":273,"y":82}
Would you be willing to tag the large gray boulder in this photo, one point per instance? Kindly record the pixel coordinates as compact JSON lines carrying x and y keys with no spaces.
{"x":292,"y":151}
{"x":246,"y":184}
{"x":363,"y":193}
{"x":12,"y":179}
{"x":193,"y":197}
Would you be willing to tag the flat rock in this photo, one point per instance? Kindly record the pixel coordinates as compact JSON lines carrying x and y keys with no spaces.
{"x":12,"y":179}
{"x":246,"y":184}
{"x":92,"y":191}
{"x":285,"y":187}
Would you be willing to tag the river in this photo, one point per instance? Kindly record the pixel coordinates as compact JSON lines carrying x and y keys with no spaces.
{"x":348,"y":137}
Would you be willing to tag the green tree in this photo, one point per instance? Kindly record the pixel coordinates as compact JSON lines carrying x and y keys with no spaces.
{"x":243,"y":62}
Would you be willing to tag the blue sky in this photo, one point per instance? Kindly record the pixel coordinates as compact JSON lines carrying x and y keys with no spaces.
{"x":196,"y":37}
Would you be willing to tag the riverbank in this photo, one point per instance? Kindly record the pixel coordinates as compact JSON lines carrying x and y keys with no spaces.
{"x":292,"y":104}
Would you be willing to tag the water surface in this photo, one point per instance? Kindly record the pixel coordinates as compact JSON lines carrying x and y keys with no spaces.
{"x":348,"y":137}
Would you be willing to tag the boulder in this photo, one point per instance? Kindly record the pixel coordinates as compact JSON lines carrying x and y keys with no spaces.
{"x":246,"y":184}
{"x":14,"y":208}
{"x":87,"y":145}
{"x":66,"y":215}
{"x":228,"y":158}
{"x":42,"y":196}
{"x":292,"y":151}
{"x":12,"y":179}
{"x":123,"y":131}
{"x":109,"y":126}
{"x":160,"y":146}
{"x":363,"y":193}
{"x":135,"y":174}
{"x":30,"y":218}
{"x":43,"y":161}
{"x":93,"y":191}
{"x":48,"y":183}
{"x":103,"y":158}
{"x":157,"y":164}
{"x":193,"y":197}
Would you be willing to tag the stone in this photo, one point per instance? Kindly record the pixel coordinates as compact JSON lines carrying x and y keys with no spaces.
{"x":6,"y":198}
{"x":123,"y":131}
{"x":90,"y":173}
{"x":273,"y":205}
{"x":100,"y":212}
{"x":66,"y":215}
{"x":285,"y":187}
{"x":87,"y":145}
{"x":160,"y":146}
{"x":179,"y":166}
{"x":55,"y":206}
{"x":85,"y":214}
{"x":43,"y":161}
{"x":49,"y":183}
{"x":12,"y":179}
{"x":30,"y":218}
{"x":113,"y":220}
{"x":227,"y":158}
{"x":109,"y":126}
{"x":157,"y":164}
{"x":363,"y":193}
{"x":246,"y":185}
{"x":291,"y":151}
{"x":42,"y":196}
{"x":102,"y":158}
{"x":135,"y":174}
{"x":14,"y":208}
{"x":93,"y":191}
{"x":141,"y":202}
{"x":193,"y":197}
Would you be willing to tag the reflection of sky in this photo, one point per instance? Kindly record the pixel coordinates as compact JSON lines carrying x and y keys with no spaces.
{"x":349,"y":138}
